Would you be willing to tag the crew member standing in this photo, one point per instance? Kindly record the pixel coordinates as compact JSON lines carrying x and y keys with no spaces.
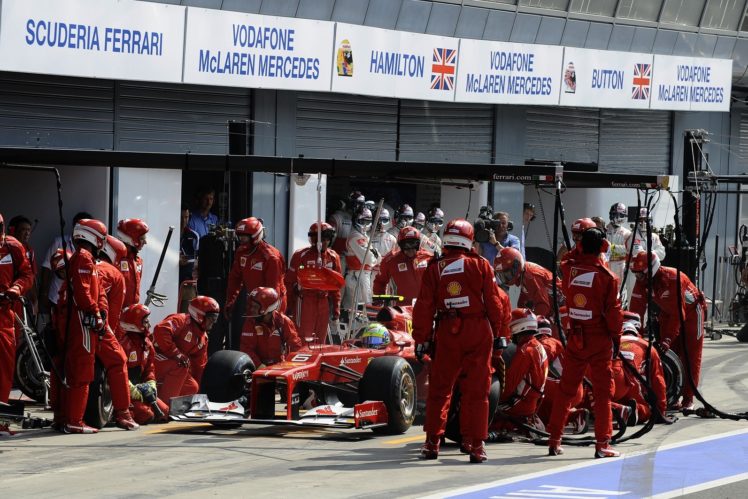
{"x":359,"y":262}
{"x":430,"y":240}
{"x":594,"y":334}
{"x":382,"y":240}
{"x":617,"y":234}
{"x":313,"y":309}
{"x":256,"y":263}
{"x":181,"y":344}
{"x":132,"y":232}
{"x":403,"y":270}
{"x":459,"y":290}
{"x":691,"y":305}
{"x":15,"y":280}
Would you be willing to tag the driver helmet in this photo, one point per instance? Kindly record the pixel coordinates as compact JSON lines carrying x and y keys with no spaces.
{"x":435,"y":220}
{"x":362,"y":220}
{"x":618,"y":213}
{"x":374,"y":335}
{"x":384,"y":223}
{"x":419,"y":222}
{"x":404,"y":216}
{"x":508,"y":266}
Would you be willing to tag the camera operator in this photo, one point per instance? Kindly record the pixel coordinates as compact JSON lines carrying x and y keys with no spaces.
{"x":493,"y":233}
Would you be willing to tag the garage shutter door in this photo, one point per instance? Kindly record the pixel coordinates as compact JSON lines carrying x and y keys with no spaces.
{"x":177,"y":118}
{"x":635,"y":141}
{"x":345,"y":126}
{"x":562,"y":134}
{"x":439,"y":131}
{"x":53,"y":111}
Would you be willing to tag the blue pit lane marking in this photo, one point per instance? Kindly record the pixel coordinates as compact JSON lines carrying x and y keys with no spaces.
{"x":666,"y":472}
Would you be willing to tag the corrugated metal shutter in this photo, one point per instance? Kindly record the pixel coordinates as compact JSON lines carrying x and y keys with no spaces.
{"x":345,"y":126}
{"x":635,"y":141}
{"x":177,"y":118}
{"x":53,"y":111}
{"x":446,"y":131}
{"x":742,"y":159}
{"x":562,"y":134}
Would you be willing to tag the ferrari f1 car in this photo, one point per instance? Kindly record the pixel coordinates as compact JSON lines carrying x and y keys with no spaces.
{"x":359,"y":384}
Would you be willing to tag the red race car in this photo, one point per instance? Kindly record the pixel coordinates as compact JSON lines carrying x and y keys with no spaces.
{"x":361,"y":383}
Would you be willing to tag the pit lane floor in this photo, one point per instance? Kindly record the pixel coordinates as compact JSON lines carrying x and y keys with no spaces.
{"x":197,"y":460}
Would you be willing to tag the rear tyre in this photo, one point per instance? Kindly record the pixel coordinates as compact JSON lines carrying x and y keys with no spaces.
{"x":99,"y":408}
{"x":452,"y":430}
{"x":226,"y":376}
{"x":674,"y":376}
{"x":391,"y":380}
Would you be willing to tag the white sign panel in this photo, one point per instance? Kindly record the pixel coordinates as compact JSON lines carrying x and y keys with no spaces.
{"x":380,"y":62}
{"x":246,"y":50}
{"x":691,"y":83}
{"x":508,"y":73}
{"x":601,"y":78}
{"x":117,"y":39}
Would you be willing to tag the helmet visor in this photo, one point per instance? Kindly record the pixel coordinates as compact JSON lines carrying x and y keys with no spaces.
{"x":374,"y":341}
{"x":505,"y":276}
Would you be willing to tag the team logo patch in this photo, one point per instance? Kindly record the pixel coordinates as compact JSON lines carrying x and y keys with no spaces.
{"x":454,"y":288}
{"x":402,"y":267}
{"x":459,"y":302}
{"x":7,"y":259}
{"x":242,"y":261}
{"x":580,"y":315}
{"x":257,"y":266}
{"x":133,"y":357}
{"x":583,"y":280}
{"x":456,"y":267}
{"x":188,"y":336}
{"x":422,"y":264}
{"x":124,"y":266}
{"x":579,"y":300}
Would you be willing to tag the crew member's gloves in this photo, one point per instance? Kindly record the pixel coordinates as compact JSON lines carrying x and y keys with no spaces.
{"x":665,"y":344}
{"x":616,"y":346}
{"x":499,"y":343}
{"x":13,"y":292}
{"x":182,"y":360}
{"x":135,"y":394}
{"x":374,"y":252}
{"x":422,"y":349}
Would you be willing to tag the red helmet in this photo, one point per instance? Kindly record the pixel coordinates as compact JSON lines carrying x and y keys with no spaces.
{"x":90,"y":230}
{"x":581,"y":225}
{"x":544,"y":327}
{"x":523,"y":320}
{"x":633,"y":318}
{"x":251,"y":227}
{"x":114,"y":249}
{"x":409,"y":234}
{"x":203,"y":308}
{"x":638,"y":263}
{"x":132,"y":231}
{"x":459,"y":234}
{"x":134,"y":319}
{"x":262,"y":301}
{"x":57,"y":260}
{"x":509,"y":265}
{"x":328,"y":232}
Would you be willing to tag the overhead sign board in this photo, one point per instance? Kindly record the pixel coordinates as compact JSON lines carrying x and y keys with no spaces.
{"x":606,"y":79}
{"x":691,"y":84}
{"x":385,"y":63}
{"x":117,"y":39}
{"x":508,"y":73}
{"x":247,"y":50}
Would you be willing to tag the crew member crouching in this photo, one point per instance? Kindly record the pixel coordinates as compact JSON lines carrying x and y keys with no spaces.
{"x":268,"y":333}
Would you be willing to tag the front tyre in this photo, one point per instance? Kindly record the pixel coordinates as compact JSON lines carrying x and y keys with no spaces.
{"x":392,"y":381}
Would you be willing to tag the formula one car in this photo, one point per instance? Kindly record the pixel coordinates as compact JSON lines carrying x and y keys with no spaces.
{"x":352,"y":385}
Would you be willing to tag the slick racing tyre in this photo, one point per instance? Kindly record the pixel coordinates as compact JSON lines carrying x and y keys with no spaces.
{"x":391,"y":380}
{"x":452,"y":430}
{"x":742,"y":335}
{"x":99,"y":408}
{"x":226,"y":376}
{"x":28,"y":378}
{"x":674,"y":376}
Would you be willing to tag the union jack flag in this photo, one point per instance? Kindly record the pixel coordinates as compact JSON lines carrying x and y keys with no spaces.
{"x":443,"y":69}
{"x":642,"y":81}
